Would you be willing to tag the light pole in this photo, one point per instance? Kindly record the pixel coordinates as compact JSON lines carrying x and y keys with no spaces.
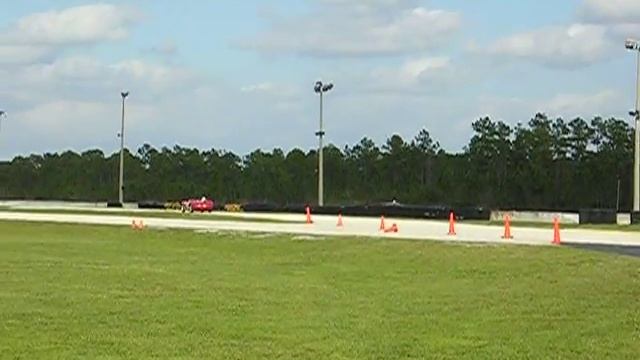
{"x":121,"y":178}
{"x":634,"y":45}
{"x":320,"y":89}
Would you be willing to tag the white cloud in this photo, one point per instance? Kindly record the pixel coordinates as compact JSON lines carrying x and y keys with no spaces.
{"x":38,"y":36}
{"x":59,"y":125}
{"x":420,"y":75}
{"x":601,"y":28}
{"x":57,"y":101}
{"x":20,"y":54}
{"x":265,"y":87}
{"x":621,"y":17}
{"x":341,"y":28}
{"x":76,"y":25}
{"x":79,"y":93}
{"x":74,"y":103}
{"x":63,"y":116}
{"x":416,"y":70}
{"x":279,"y":96}
{"x":370,"y":5}
{"x":611,"y":11}
{"x":624,"y":31}
{"x":158,"y":77}
{"x":572,"y":46}
{"x":272,"y":89}
{"x":582,"y":104}
{"x":83,"y":76}
{"x":165,"y":48}
{"x":63,"y":69}
{"x":568,"y":105}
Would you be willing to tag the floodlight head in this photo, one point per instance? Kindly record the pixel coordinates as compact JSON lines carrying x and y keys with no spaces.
{"x":124,"y":94}
{"x":2,"y":113}
{"x":634,"y":113}
{"x":318,"y":87}
{"x":327,"y":87}
{"x":631,"y":44}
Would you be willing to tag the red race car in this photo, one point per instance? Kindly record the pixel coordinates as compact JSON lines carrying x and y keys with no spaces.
{"x":199,"y":205}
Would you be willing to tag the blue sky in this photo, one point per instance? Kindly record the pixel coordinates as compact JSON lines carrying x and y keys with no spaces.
{"x":238,"y":75}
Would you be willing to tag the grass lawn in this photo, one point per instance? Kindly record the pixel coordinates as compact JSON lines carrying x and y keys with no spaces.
{"x":92,"y":292}
{"x":166,"y":214}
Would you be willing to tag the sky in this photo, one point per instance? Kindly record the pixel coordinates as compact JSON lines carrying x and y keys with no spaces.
{"x":239,"y":75}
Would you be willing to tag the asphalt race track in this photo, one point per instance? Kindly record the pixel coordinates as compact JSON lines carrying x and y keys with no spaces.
{"x":620,"y":242}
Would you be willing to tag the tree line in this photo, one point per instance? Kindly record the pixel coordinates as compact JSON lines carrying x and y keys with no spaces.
{"x":542,"y":164}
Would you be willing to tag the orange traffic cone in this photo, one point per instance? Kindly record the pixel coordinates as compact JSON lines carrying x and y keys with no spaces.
{"x":309,"y":221}
{"x":452,"y":224}
{"x":137,"y":225}
{"x":556,"y":231}
{"x":382,"y":226}
{"x":507,"y":227}
{"x":392,"y":229}
{"x":340,"y":224}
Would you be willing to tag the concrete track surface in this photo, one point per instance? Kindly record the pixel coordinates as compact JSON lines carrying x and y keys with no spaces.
{"x":353,"y":226}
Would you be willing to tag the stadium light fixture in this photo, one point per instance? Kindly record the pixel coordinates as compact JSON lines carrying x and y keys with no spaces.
{"x":3,"y":114}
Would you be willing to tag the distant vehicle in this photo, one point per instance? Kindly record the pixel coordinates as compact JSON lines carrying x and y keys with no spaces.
{"x":198,"y":205}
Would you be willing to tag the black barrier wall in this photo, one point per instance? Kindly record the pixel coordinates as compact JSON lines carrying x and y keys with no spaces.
{"x":598,"y":216}
{"x":376,"y":210}
{"x":371,"y":210}
{"x":152,"y":205}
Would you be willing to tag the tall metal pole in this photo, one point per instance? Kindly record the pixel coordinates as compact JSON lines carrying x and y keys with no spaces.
{"x":618,"y":197}
{"x":636,"y":163}
{"x":321,"y":156}
{"x":121,"y":177}
{"x":320,"y":89}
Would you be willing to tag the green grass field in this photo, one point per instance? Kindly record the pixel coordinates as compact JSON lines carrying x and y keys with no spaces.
{"x":71,"y":292}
